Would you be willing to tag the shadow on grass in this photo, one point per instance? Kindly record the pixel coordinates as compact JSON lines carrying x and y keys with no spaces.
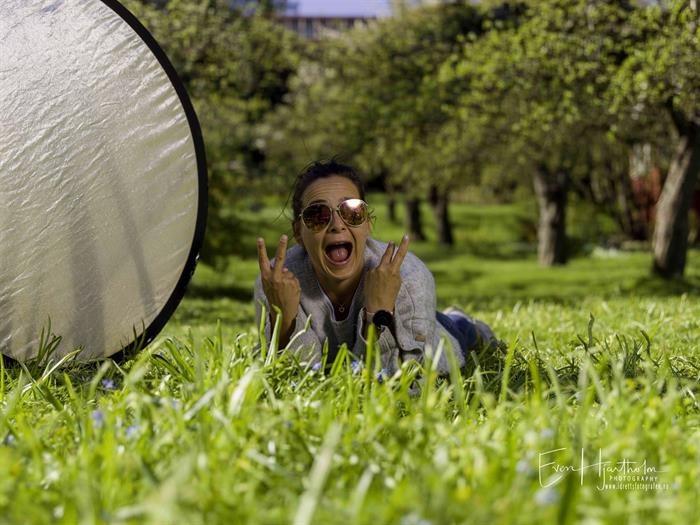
{"x":463,"y":276}
{"x":455,"y":290}
{"x":220,"y":291}
{"x":566,"y":293}
{"x":510,"y":251}
{"x":656,"y":286}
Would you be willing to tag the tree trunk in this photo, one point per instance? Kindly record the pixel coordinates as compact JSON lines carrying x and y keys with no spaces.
{"x":414,"y":225}
{"x":390,"y":191}
{"x":672,"y":226}
{"x":391,"y":208}
{"x":439,"y":201}
{"x":551,"y":190}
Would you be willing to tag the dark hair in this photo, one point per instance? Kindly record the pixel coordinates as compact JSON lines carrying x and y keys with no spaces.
{"x":319,"y":170}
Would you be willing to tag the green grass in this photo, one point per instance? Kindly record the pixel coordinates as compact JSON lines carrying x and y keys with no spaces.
{"x":196,"y":430}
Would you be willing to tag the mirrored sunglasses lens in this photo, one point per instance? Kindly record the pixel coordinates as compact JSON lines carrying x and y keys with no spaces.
{"x":353,"y":211}
{"x":316,"y":216}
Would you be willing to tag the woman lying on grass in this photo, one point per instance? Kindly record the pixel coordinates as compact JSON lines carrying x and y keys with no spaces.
{"x":343,"y":279}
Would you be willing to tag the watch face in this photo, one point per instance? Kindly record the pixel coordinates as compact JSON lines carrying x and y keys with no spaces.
{"x":382,"y":318}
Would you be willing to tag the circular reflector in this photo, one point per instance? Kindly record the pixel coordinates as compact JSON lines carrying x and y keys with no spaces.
{"x":102,"y":179}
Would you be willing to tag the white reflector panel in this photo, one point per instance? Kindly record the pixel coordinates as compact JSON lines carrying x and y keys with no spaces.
{"x":102,"y":179}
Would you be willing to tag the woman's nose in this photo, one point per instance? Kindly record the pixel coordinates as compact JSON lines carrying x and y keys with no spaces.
{"x":337,"y":223}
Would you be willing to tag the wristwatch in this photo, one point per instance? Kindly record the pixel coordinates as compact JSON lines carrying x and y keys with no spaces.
{"x":383,"y":318}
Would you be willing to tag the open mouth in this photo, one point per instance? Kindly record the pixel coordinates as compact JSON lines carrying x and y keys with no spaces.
{"x":339,"y":253}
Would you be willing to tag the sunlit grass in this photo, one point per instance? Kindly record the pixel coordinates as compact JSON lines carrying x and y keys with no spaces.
{"x":197,"y":430}
{"x":200,"y":432}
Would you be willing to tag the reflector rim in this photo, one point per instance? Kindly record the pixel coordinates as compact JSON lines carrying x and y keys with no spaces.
{"x":155,"y":327}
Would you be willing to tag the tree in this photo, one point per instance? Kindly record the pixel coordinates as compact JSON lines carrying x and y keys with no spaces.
{"x":536,"y":83}
{"x":663,"y":77}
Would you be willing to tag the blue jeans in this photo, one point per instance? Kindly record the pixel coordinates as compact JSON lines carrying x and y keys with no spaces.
{"x":469,"y":334}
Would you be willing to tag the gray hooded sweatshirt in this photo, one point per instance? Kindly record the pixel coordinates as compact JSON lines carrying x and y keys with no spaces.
{"x":416,"y":326}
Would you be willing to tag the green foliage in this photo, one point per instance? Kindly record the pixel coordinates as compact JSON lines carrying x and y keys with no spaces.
{"x":439,"y":95}
{"x":203,"y":432}
{"x":535,"y":87}
{"x":198,"y":430}
{"x":371,"y":95}
{"x":662,"y":73}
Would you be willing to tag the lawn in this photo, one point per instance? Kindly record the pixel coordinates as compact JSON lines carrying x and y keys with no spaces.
{"x":601,"y":367}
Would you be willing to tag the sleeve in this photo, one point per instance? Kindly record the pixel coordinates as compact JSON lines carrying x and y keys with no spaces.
{"x":414,"y":319}
{"x":304,"y":344}
{"x":416,"y":323}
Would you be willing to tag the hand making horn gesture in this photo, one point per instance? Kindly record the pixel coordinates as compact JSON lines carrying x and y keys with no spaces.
{"x":280,"y":285}
{"x":382,"y":283}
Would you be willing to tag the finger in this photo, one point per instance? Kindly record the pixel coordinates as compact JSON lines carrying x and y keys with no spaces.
{"x":401,"y":252}
{"x":281,"y":255}
{"x":262,"y":257}
{"x":386,"y":258}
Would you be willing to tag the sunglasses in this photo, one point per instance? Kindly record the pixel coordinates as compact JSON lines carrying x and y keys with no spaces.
{"x":317,"y":216}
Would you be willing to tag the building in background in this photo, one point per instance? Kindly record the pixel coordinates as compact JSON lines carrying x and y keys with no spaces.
{"x":312,"y":18}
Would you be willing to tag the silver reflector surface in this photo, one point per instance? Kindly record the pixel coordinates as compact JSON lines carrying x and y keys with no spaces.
{"x":102,"y":179}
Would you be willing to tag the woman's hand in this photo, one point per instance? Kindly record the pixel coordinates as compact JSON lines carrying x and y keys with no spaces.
{"x":382,"y":283}
{"x":281,"y":288}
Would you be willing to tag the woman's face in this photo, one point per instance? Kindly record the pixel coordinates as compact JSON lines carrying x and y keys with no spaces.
{"x":337,"y":252}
